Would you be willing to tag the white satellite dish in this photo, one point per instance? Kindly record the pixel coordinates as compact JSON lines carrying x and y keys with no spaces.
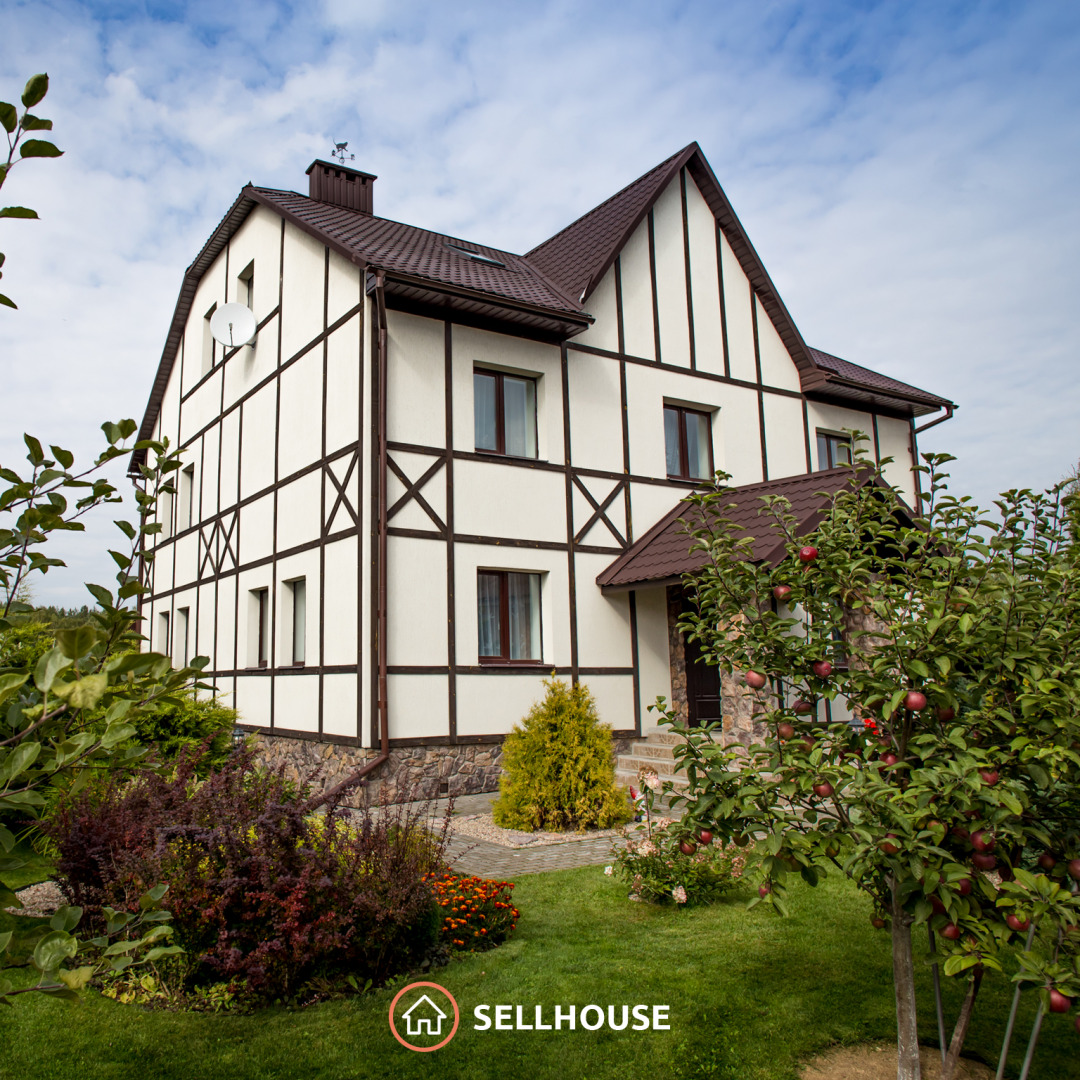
{"x":233,"y":325}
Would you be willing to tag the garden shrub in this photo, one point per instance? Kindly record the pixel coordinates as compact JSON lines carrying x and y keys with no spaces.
{"x":186,"y":724}
{"x":558,"y":767}
{"x":263,"y":894}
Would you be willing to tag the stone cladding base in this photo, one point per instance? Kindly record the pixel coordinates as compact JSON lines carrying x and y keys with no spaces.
{"x":413,"y":772}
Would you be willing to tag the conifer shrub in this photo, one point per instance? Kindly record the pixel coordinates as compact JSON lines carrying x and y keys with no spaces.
{"x":558,"y":770}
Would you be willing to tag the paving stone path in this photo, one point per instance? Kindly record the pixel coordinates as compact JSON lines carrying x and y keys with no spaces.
{"x":472,"y":856}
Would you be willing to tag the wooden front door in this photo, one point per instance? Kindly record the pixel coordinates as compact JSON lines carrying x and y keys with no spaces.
{"x":702,"y":688}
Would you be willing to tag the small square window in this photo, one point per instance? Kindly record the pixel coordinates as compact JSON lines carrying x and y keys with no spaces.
{"x":186,"y":504}
{"x":508,"y":617}
{"x":180,"y":644}
{"x":209,"y":346}
{"x":245,"y":286}
{"x":259,"y":651}
{"x":504,"y":408}
{"x":298,"y":595}
{"x":688,"y":443}
{"x":833,"y":451}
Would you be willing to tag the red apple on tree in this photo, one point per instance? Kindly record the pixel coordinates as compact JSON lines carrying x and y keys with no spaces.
{"x":808,"y":554}
{"x":705,"y":836}
{"x":915,"y":700}
{"x":951,"y":931}
{"x":809,"y":742}
{"x":1059,"y":1003}
{"x":888,"y":759}
{"x":983,"y":862}
{"x":802,"y":707}
{"x":755,"y":679}
{"x":937,"y":905}
{"x":782,"y":592}
{"x":877,"y":922}
{"x":887,"y":846}
{"x":785,"y":730}
{"x":1017,"y":922}
{"x":946,"y":714}
{"x":1047,"y":861}
{"x":823,"y":789}
{"x":988,"y":776}
{"x":822,"y":669}
{"x":984,"y":841}
{"x":687,"y":847}
{"x":964,"y":886}
{"x":742,"y":840}
{"x":1073,"y":866}
{"x":764,"y":890}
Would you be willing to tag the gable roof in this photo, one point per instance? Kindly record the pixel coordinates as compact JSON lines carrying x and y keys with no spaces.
{"x":860,"y":384}
{"x":662,"y":555}
{"x":579,"y":256}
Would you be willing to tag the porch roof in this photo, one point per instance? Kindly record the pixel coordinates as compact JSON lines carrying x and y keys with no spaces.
{"x":662,"y":555}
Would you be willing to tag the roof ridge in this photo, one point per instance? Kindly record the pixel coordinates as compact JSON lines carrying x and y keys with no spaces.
{"x":599,"y":206}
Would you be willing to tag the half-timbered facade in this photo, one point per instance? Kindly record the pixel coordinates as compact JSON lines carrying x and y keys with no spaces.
{"x":427,"y":483}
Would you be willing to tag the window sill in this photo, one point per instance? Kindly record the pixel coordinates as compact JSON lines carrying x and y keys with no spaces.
{"x":689,"y":481}
{"x":496,"y":661}
{"x":494,"y":454}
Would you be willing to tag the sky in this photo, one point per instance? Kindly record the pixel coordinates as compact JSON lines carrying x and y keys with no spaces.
{"x":906,"y":170}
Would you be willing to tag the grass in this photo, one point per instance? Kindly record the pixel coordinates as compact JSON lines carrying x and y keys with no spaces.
{"x":750,"y":996}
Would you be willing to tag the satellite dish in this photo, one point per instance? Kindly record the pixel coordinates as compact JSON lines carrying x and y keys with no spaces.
{"x":233,"y":325}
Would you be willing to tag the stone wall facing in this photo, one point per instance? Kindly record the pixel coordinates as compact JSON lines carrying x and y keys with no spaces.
{"x":413,"y":772}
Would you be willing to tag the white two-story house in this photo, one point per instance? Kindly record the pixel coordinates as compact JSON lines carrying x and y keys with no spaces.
{"x":443,"y":471}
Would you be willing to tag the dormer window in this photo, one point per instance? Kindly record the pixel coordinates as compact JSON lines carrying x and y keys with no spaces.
{"x":476,"y":256}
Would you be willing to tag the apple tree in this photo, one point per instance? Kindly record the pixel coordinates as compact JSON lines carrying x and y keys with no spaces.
{"x":945,"y":642}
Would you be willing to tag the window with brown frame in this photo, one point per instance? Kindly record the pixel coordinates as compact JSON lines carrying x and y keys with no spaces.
{"x":508,"y":617}
{"x":261,"y":597}
{"x":504,"y":411}
{"x":688,"y":443}
{"x":832,"y":450}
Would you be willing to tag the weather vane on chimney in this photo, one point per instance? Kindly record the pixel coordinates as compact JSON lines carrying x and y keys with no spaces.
{"x":340,"y":153}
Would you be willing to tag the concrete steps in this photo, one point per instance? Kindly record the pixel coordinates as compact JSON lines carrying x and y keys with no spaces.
{"x":654,"y":752}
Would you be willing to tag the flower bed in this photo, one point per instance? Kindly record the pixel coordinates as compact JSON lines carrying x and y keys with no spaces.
{"x":477,"y":913}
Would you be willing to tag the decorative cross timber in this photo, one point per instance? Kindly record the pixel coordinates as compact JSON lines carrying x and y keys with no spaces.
{"x":599,"y":511}
{"x":216,"y":545}
{"x":341,"y":486}
{"x":412,"y":491}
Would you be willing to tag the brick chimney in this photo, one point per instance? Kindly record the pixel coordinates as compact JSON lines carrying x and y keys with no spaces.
{"x":332,"y":183}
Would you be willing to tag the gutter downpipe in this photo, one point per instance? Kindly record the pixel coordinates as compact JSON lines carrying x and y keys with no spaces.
{"x":914,"y":447}
{"x":949,"y":410}
{"x":380,"y":627}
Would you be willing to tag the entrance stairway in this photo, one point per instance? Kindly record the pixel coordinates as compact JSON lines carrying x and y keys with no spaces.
{"x":656,"y":752}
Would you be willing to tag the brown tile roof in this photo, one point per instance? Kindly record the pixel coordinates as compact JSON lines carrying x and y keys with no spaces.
{"x":662,"y":555}
{"x":392,"y":246}
{"x":578,"y":256}
{"x":847,"y":372}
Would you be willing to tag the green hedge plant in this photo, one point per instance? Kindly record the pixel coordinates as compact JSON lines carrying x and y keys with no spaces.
{"x":559,"y":773}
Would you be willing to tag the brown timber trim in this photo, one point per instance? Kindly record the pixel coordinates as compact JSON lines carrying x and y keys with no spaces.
{"x":360,"y":518}
{"x":619,"y":305}
{"x":451,"y":611}
{"x":806,"y":435}
{"x":686,"y":263}
{"x":760,"y":393}
{"x":383,"y":644}
{"x":655,"y":296}
{"x":322,"y":490}
{"x":219,"y":369}
{"x":635,"y":661}
{"x":711,"y":376}
{"x":877,"y":440}
{"x":914,"y":446}
{"x":723,"y":301}
{"x":569,"y":547}
{"x":504,"y":541}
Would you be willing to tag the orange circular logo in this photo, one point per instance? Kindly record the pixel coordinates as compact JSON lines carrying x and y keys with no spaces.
{"x":424,"y":1017}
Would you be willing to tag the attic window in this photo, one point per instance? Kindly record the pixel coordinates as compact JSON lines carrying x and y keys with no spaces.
{"x":475,"y":255}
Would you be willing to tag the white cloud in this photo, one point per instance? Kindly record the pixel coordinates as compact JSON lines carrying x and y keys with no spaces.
{"x":907,"y":174}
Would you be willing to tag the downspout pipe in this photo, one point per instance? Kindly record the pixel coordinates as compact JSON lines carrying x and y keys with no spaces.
{"x":949,"y":410}
{"x":381,"y":587}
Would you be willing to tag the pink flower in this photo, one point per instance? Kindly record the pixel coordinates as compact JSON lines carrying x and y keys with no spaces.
{"x":680,"y":894}
{"x":653,"y":782}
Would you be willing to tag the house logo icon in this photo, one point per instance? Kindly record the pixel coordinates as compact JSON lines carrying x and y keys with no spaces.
{"x":424,"y":1017}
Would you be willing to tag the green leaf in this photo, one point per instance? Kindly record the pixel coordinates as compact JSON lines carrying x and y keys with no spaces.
{"x":34,"y":148}
{"x":9,"y":116}
{"x":76,"y":643}
{"x":153,"y":896}
{"x":162,"y":950}
{"x":53,"y":949}
{"x":65,"y":457}
{"x":66,"y":917}
{"x":36,"y":455}
{"x":36,"y":88}
{"x":48,"y":667}
{"x":5,"y":939}
{"x":102,"y":596}
{"x":21,"y":758}
{"x":116,"y":733}
{"x":17,"y":212}
{"x":1038,"y":774}
{"x":84,"y":693}
{"x":10,"y":683}
{"x":35,"y":123}
{"x":77,"y":979}
{"x":8,"y":302}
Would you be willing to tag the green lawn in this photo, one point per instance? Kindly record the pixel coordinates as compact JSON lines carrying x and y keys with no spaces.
{"x":750,"y":996}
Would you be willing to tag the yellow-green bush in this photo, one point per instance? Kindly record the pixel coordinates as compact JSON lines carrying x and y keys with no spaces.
{"x":558,"y":771}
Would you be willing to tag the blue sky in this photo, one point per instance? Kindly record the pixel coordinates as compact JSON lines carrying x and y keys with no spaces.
{"x":907,"y":171}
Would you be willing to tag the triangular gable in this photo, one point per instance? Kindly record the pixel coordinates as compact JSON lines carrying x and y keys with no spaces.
{"x":577,"y":257}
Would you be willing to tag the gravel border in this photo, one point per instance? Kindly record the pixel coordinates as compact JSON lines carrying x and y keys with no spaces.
{"x":483,"y":827}
{"x":38,"y":900}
